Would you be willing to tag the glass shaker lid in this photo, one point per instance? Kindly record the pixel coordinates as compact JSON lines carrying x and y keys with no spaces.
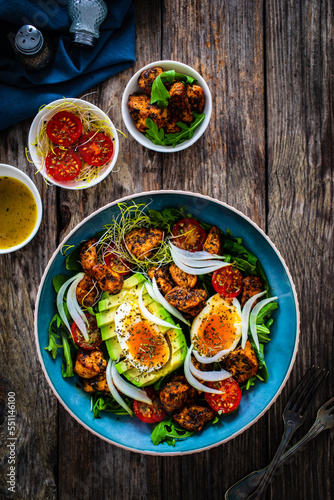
{"x":28,"y":40}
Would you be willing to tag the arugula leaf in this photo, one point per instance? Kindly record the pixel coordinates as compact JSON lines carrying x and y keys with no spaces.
{"x":186,"y":133}
{"x":159,"y":93}
{"x":72,"y":260}
{"x":58,"y":281}
{"x":53,"y":336}
{"x":267,"y":309}
{"x":185,"y":78}
{"x":232,"y":247}
{"x":68,"y":372}
{"x":168,"y":432}
{"x":166,"y":218}
{"x":244,"y":265}
{"x":102,"y":402}
{"x":153,"y":133}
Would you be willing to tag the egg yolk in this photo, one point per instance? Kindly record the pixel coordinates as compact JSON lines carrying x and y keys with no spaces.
{"x":146,"y":346}
{"x":216,"y":332}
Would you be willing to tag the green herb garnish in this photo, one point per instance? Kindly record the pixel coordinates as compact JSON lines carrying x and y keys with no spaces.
{"x":158,"y":136}
{"x":168,"y":432}
{"x":159,"y":93}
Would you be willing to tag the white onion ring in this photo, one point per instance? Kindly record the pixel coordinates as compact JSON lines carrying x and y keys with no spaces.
{"x":245,"y":317}
{"x":213,"y":376}
{"x":114,"y":392}
{"x":201,"y":255}
{"x":60,"y":300}
{"x":192,"y":380}
{"x":128,"y":389}
{"x":151,"y":317}
{"x":206,"y":360}
{"x":237,"y":305}
{"x":161,"y":299}
{"x":192,"y":261}
{"x":75,"y":310}
{"x":194,"y":270}
{"x":253,"y":317}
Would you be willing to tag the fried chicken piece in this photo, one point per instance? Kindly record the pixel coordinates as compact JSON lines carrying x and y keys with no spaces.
{"x":242,"y":363}
{"x":107,"y":279}
{"x":212,"y":243}
{"x":143,"y":241}
{"x":192,"y":418}
{"x":89,"y":364}
{"x":186,"y":299}
{"x":147,"y":78}
{"x":200,"y":366}
{"x":88,"y":256}
{"x":176,"y":394}
{"x":195,"y":95}
{"x":98,"y":383}
{"x":87,"y":292}
{"x":140,"y":109}
{"x":162,"y":277}
{"x":181,"y":278}
{"x":179,"y":104}
{"x":192,"y":312}
{"x":251,"y":285}
{"x":171,"y":126}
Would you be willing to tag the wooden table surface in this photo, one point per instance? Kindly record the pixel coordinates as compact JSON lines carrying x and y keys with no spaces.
{"x":268,"y":151}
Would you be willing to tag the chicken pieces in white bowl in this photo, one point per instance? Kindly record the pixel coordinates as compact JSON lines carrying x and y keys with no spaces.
{"x":166,"y":106}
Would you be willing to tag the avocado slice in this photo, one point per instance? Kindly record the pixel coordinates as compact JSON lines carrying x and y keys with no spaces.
{"x":178,"y":347}
{"x":125,"y":295}
{"x":106,"y":317}
{"x":134,"y":280}
{"x":114,"y":349}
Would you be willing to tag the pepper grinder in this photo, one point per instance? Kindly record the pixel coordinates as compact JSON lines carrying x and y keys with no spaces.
{"x":86,"y":15}
{"x":33,"y":50}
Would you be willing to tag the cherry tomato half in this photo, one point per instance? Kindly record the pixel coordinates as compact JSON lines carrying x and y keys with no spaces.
{"x":188,"y":235}
{"x":62,"y":164}
{"x":96,"y":148}
{"x":149,"y":413}
{"x":116,"y":263}
{"x":227,"y":282}
{"x":229,"y":400}
{"x":64,"y":128}
{"x":93,"y":331}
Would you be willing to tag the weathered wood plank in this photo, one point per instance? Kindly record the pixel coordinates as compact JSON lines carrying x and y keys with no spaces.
{"x":114,"y":472}
{"x":35,"y":405}
{"x":224,"y":43}
{"x":299,"y":48}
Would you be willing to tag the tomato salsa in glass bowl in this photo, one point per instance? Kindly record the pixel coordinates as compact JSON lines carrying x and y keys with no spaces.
{"x":73,"y":143}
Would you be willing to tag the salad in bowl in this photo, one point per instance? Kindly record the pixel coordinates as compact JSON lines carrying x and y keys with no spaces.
{"x":163,"y":317}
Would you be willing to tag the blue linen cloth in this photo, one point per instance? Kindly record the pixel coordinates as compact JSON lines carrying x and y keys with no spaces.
{"x":74,"y":69}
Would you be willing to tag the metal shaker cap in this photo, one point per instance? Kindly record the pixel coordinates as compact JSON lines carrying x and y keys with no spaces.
{"x":28,"y":40}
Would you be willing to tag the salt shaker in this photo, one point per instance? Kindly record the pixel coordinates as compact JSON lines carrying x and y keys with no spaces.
{"x":86,"y":16}
{"x":33,"y":50}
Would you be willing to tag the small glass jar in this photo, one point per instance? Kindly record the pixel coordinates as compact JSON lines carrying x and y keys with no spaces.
{"x":33,"y":51}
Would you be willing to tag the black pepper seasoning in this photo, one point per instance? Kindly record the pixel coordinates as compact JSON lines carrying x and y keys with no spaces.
{"x":33,"y":51}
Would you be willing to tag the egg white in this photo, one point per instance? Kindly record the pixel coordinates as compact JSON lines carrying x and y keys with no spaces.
{"x":126,"y":316}
{"x":213,"y":305}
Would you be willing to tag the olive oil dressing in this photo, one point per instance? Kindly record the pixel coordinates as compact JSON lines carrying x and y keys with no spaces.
{"x":18,"y":212}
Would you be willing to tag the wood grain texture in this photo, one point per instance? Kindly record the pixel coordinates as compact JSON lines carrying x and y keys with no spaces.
{"x":299,"y":42}
{"x":268,"y":151}
{"x":36,"y":407}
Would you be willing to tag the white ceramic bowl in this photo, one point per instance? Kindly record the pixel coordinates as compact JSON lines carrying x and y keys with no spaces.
{"x":45,"y":114}
{"x":133,"y":86}
{"x":9,"y":171}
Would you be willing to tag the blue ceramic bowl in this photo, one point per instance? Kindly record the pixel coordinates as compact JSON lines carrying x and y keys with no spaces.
{"x":280,"y":352}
